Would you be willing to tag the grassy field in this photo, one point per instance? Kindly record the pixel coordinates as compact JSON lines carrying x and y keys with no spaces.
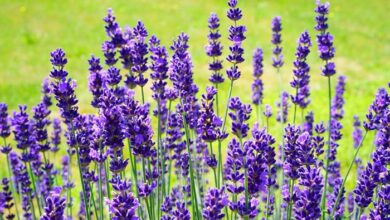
{"x":30,"y":30}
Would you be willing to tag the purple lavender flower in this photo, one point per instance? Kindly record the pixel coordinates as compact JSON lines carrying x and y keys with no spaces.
{"x":95,"y":80}
{"x":332,"y":197}
{"x":138,"y":53}
{"x":159,"y":67}
{"x":22,"y":129}
{"x":308,"y":201}
{"x":8,"y":202}
{"x":292,"y":141}
{"x":277,"y":59}
{"x":325,"y":39}
{"x":215,"y":201}
{"x":124,"y":205}
{"x":214,"y":50}
{"x":364,"y":190}
{"x":5,"y":130}
{"x":58,"y":60}
{"x":357,"y":133}
{"x":46,"y":92}
{"x":181,"y":212}
{"x":318,"y":139}
{"x":181,"y":67}
{"x":283,"y":108}
{"x":377,"y":109}
{"x":338,"y":99}
{"x":55,"y":137}
{"x":268,"y":111}
{"x":308,"y":124}
{"x":209,"y":124}
{"x":40,"y":123}
{"x":257,"y":86}
{"x":233,"y":167}
{"x":381,"y":208}
{"x":239,"y":113}
{"x":301,"y":72}
{"x":54,"y":206}
{"x":251,"y":210}
{"x":236,"y":36}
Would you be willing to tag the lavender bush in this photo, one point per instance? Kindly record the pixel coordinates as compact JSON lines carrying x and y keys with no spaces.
{"x":180,"y":156}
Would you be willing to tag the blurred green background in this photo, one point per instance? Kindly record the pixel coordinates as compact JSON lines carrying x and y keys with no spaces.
{"x":31,"y":29}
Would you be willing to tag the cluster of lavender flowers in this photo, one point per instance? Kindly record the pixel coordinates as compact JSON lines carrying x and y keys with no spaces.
{"x":150,"y":158}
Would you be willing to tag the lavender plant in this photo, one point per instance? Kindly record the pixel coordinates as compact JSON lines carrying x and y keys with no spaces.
{"x":141,"y":157}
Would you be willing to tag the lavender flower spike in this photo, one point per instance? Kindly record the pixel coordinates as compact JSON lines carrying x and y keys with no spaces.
{"x":257,"y":86}
{"x":277,"y":59}
{"x":301,"y":72}
{"x":215,"y":201}
{"x":214,"y":50}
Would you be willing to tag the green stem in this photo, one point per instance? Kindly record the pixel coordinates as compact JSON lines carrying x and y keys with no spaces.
{"x":107,"y":174}
{"x":195,"y":210}
{"x":214,"y":171}
{"x":34,"y":188}
{"x":101,"y":193}
{"x":12,"y":183}
{"x":323,"y":201}
{"x":143,"y":95}
{"x":82,"y":185}
{"x":290,"y":204}
{"x":217,"y":100}
{"x":346,"y":175}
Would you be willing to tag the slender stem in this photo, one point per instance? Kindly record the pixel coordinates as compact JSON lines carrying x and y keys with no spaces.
{"x":290,"y":204}
{"x":12,"y":182}
{"x":107,"y":174}
{"x":143,"y":95}
{"x":160,"y":149}
{"x":195,"y":210}
{"x":100,"y":192}
{"x":220,"y":172}
{"x":346,"y":175}
{"x":246,"y":181}
{"x":82,"y":185}
{"x":323,"y":201}
{"x":217,"y":100}
{"x":34,"y":188}
{"x":69,"y":189}
{"x":227,"y":104}
{"x":93,"y":199}
{"x":214,"y":171}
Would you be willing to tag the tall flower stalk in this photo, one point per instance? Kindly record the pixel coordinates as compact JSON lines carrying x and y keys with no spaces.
{"x":326,"y":53}
{"x":63,"y":90}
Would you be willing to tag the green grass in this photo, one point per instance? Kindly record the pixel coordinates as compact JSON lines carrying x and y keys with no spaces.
{"x":30,"y":30}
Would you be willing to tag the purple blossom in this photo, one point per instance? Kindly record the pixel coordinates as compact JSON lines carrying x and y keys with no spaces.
{"x":46,"y":92}
{"x":301,"y":72}
{"x":55,"y":137}
{"x":40,"y":123}
{"x":159,"y":67}
{"x":268,"y":111}
{"x":283,"y":108}
{"x":9,"y":201}
{"x":325,"y":39}
{"x":214,"y":50}
{"x":257,"y":85}
{"x":54,"y":206}
{"x":338,"y":99}
{"x":277,"y":58}
{"x":357,"y":133}
{"x":308,"y":201}
{"x":233,"y":167}
{"x":139,"y":59}
{"x":236,"y":36}
{"x":377,"y":109}
{"x":95,"y":80}
{"x":209,"y":124}
{"x":5,"y":130}
{"x":215,"y":201}
{"x":240,"y":114}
